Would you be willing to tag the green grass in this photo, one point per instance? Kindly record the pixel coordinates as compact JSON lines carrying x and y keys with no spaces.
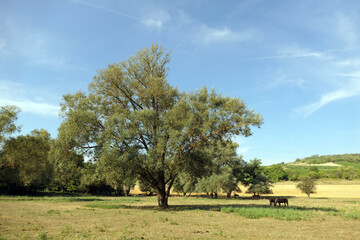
{"x":106,"y":206}
{"x":288,"y":214}
{"x":53,"y":212}
{"x":352,"y":214}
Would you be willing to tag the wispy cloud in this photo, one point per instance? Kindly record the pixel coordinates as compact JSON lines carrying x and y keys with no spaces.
{"x":297,"y":52}
{"x":31,"y":45}
{"x":12,"y":93}
{"x":156,"y":19}
{"x":352,"y":62}
{"x":210,"y":35}
{"x":281,"y":78}
{"x":346,"y":29}
{"x":350,"y":90}
{"x":104,"y":8}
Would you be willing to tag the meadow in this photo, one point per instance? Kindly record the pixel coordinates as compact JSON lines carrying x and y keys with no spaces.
{"x":332,"y":213}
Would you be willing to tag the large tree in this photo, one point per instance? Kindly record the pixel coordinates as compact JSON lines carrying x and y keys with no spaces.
{"x":131,"y":109}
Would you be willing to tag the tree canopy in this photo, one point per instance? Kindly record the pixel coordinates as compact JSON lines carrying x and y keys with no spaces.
{"x":133,"y":116}
{"x":8,"y":116}
{"x":307,"y":185}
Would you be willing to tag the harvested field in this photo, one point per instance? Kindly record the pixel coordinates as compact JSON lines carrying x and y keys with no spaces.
{"x":333,"y":213}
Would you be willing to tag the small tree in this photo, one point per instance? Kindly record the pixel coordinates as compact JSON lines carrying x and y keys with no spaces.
{"x":307,"y":185}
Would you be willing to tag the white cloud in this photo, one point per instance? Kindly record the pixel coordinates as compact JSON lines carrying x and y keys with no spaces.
{"x":346,"y":30}
{"x":209,"y":35}
{"x":297,"y":52}
{"x":350,"y":90}
{"x":29,"y":106}
{"x":351,"y":75}
{"x":12,"y":93}
{"x":156,"y":19}
{"x":353,"y":62}
{"x":33,"y":46}
{"x":281,"y":78}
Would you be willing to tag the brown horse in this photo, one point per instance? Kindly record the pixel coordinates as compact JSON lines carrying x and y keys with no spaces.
{"x":282,"y":200}
{"x":272,"y":201}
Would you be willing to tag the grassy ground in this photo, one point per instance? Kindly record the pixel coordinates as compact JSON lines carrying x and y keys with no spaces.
{"x":86,"y":217}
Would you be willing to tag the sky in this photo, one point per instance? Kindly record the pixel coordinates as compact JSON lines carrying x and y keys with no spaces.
{"x":297,"y":63}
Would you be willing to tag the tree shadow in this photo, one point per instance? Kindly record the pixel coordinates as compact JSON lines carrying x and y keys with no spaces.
{"x":218,"y":207}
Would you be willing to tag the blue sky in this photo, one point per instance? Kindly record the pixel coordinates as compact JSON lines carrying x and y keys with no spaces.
{"x":295,"y":62}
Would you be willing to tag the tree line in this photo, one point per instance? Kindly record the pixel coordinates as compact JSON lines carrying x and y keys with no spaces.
{"x":36,"y":162}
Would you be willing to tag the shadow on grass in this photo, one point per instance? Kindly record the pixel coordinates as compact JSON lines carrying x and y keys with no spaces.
{"x":213,"y":207}
{"x":199,"y":196}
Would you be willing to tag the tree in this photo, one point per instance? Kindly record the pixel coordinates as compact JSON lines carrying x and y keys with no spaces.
{"x":24,"y":164}
{"x":67,"y":164}
{"x":8,"y":116}
{"x":223,"y":172}
{"x":276,"y":173}
{"x":307,"y":185}
{"x":185,"y":183}
{"x":255,"y":178}
{"x":131,"y":108}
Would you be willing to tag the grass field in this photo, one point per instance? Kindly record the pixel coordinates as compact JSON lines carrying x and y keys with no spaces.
{"x":333,"y":213}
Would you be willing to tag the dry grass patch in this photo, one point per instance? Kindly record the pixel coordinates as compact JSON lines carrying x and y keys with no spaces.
{"x":192,"y":218}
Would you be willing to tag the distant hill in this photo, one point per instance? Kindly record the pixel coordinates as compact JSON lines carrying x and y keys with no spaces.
{"x":340,"y":158}
{"x":341,"y":166}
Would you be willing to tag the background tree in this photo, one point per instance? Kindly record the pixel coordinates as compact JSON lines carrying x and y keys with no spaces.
{"x":8,"y":117}
{"x":223,"y":171}
{"x":276,"y":173}
{"x":24,"y":164}
{"x":67,"y":164}
{"x":131,"y":108}
{"x":185,"y":183}
{"x":307,"y":185}
{"x":255,"y":179}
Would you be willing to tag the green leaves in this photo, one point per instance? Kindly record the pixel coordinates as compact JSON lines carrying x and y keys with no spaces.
{"x":307,"y":185}
{"x":8,"y":116}
{"x":25,"y":161}
{"x":132,"y":107}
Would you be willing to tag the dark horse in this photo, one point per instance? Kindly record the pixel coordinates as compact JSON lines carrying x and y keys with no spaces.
{"x":282,"y":200}
{"x":272,"y":201}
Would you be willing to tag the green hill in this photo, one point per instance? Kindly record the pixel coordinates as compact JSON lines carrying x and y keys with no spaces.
{"x":342,"y":166}
{"x":340,"y":158}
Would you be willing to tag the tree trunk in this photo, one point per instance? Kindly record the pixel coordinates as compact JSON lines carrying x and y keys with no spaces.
{"x":127,"y":191}
{"x":162,"y":198}
{"x":228,"y":195}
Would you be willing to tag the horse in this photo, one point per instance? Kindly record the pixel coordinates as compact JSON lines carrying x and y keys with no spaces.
{"x":272,"y":201}
{"x":282,"y":200}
